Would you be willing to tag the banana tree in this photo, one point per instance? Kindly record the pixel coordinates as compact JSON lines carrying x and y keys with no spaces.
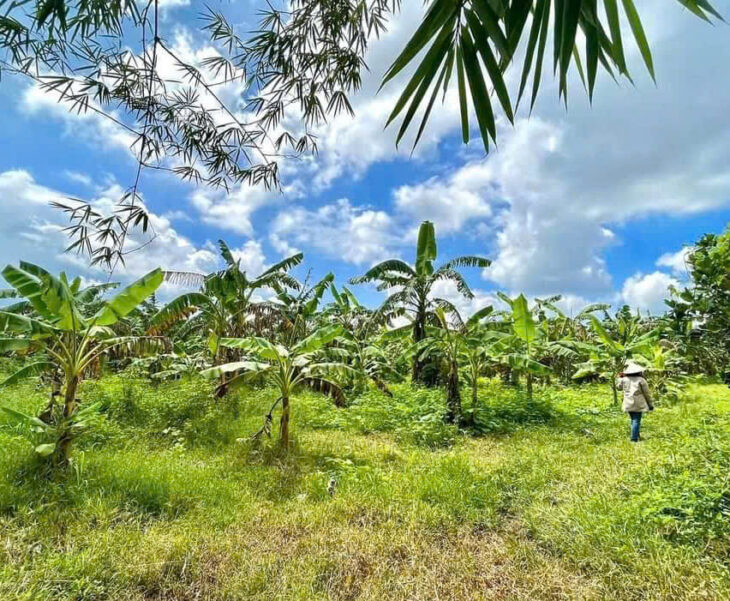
{"x":358,"y":346}
{"x":224,"y":306}
{"x":298,"y":307}
{"x":413,"y":285}
{"x":67,"y":339}
{"x":349,"y":312}
{"x":612,"y":349}
{"x":522,"y":348}
{"x":288,"y":368}
{"x":478,"y":350}
{"x":446,"y":341}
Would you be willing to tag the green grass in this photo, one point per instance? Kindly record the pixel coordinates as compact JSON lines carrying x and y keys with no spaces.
{"x":169,"y":500}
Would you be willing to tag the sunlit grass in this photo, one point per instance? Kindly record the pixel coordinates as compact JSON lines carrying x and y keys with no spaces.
{"x":169,"y":500}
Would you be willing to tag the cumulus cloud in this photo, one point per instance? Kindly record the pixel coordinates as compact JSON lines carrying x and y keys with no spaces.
{"x":647,"y":292}
{"x":251,"y":256}
{"x":678,"y":261}
{"x":94,"y":128}
{"x":40,"y":237}
{"x":451,"y":202}
{"x":350,"y":145}
{"x":446,"y":289}
{"x":229,"y":211}
{"x":338,"y":230}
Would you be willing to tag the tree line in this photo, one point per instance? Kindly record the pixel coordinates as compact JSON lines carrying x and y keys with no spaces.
{"x":278,"y":331}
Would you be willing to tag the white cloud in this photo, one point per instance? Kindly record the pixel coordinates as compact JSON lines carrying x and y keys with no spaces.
{"x":170,"y":4}
{"x":559,"y":182}
{"x":252,"y":258}
{"x":233,"y":211}
{"x":446,"y":289}
{"x":349,"y":145}
{"x":31,"y":230}
{"x":78,"y":177}
{"x":338,"y":230}
{"x":97,"y":130}
{"x":678,"y":261}
{"x":450,"y":203}
{"x":647,"y":292}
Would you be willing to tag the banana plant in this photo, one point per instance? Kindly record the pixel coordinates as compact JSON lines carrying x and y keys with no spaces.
{"x":288,"y":368}
{"x":447,"y":341}
{"x":224,"y":306}
{"x":358,"y":346}
{"x":522,"y":348}
{"x":414,"y":288}
{"x":67,"y":339}
{"x":367,"y":360}
{"x":609,"y":353}
{"x":299,"y":308}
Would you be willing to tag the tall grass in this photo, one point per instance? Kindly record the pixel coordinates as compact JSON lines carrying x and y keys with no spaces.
{"x":169,"y":499}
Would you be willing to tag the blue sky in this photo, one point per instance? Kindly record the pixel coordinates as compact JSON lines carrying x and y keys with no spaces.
{"x":596,"y":203}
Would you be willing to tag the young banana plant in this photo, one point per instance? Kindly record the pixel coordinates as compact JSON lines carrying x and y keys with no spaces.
{"x":57,"y":328}
{"x":288,"y":368}
{"x":614,"y":346}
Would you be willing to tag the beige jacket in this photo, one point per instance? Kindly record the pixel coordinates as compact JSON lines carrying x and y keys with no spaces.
{"x":636,"y":393}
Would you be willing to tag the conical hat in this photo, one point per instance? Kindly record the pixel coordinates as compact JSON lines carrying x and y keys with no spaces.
{"x":633,"y":368}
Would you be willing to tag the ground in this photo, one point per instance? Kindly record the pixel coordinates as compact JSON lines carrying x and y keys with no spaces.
{"x":168,"y":499}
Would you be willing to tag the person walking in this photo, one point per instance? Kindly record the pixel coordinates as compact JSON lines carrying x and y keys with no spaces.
{"x":637,"y":398}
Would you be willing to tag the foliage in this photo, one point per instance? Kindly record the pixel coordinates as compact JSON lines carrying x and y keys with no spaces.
{"x":561,"y":505}
{"x":224,"y":306}
{"x":293,"y":72}
{"x":288,"y":368}
{"x":699,"y":316}
{"x":68,"y":340}
{"x":413,"y":286}
{"x":617,"y":341}
{"x":479,"y":39}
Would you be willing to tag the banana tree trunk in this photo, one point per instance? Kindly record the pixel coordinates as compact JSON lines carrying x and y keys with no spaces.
{"x":284,"y":422}
{"x":453,"y":398}
{"x":69,"y":408}
{"x":529,"y":386}
{"x":419,"y":333}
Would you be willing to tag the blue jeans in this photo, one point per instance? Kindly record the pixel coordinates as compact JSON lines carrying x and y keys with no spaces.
{"x":635,"y":424}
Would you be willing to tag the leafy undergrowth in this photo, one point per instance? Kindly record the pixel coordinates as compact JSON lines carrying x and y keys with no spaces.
{"x":169,"y":499}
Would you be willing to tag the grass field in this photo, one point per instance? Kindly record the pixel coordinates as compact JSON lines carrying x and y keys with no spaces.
{"x":168,"y":499}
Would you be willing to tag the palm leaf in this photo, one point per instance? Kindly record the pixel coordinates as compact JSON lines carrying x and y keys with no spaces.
{"x":467,"y":261}
{"x":258,"y":345}
{"x":252,"y":367}
{"x":20,"y":324}
{"x":27,"y":286}
{"x":383,"y":269}
{"x":522,"y":322}
{"x":14,"y":344}
{"x":318,"y":339}
{"x":426,"y":250}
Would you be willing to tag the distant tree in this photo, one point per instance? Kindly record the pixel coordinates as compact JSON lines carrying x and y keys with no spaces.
{"x":225,"y":305}
{"x":447,"y":342}
{"x":699,"y":314}
{"x":617,"y":340}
